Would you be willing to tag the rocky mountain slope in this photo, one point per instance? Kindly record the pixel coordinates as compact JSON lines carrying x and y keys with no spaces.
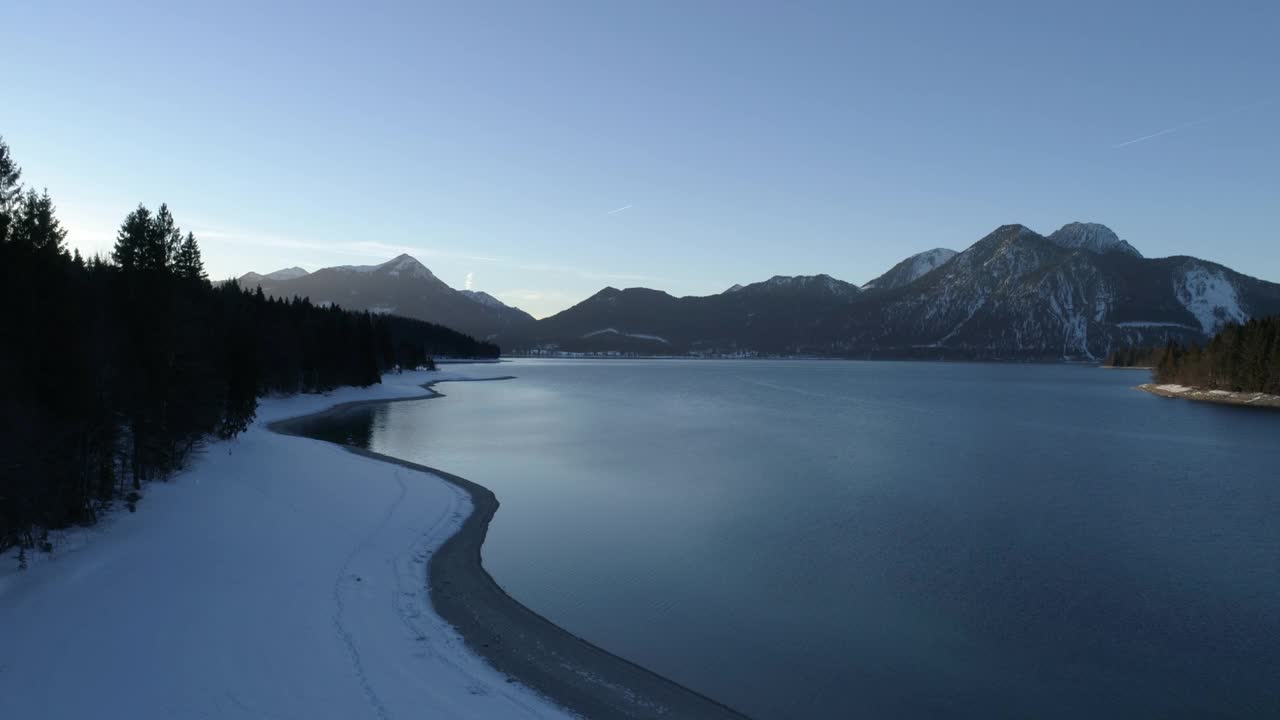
{"x":1016,"y":293}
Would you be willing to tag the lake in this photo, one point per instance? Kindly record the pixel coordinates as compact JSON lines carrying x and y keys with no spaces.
{"x":880,"y":540}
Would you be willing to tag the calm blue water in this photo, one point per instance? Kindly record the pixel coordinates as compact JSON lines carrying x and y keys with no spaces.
{"x":882,"y":540}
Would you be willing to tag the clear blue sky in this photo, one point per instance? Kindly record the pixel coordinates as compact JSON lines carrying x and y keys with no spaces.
{"x":747,"y":139}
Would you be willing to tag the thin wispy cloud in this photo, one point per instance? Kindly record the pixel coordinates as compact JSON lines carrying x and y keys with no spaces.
{"x":618,"y":210}
{"x":467,"y":284}
{"x":1188,"y":125}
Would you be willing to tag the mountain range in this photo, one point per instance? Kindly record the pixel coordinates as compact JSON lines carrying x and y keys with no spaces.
{"x":1076,"y":293}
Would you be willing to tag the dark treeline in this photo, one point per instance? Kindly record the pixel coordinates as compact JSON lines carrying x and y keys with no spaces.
{"x":1135,"y":357}
{"x":117,"y":368}
{"x":1241,"y":358}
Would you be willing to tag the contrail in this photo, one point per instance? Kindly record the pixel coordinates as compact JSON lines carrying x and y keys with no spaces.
{"x":1152,"y":135}
{"x":1193,"y":123}
{"x":618,"y":210}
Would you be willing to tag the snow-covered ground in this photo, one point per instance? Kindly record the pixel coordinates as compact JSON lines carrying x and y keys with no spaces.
{"x":277,"y":577}
{"x":1227,"y":397}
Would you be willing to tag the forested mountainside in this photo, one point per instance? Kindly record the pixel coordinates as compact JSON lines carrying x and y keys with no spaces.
{"x":401,"y":286}
{"x":1134,"y":357}
{"x":119,"y":367}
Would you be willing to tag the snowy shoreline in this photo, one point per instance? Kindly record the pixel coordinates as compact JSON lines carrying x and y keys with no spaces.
{"x":527,"y":647}
{"x":1223,"y":397}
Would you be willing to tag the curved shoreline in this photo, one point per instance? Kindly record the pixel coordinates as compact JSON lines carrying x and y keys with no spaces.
{"x":572,"y":672}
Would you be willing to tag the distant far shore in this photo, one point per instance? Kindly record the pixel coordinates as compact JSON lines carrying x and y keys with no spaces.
{"x":1224,"y":397}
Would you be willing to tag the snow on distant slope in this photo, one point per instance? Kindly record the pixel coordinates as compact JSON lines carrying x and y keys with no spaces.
{"x":401,"y":264}
{"x":251,"y":279}
{"x":912,"y":269}
{"x":287,"y":274}
{"x":1144,"y":324}
{"x":1094,"y":237}
{"x":1208,"y":295}
{"x":801,"y":283}
{"x":928,"y":260}
{"x":406,"y":265}
{"x":484,"y":298}
{"x":638,"y":336}
{"x":356,"y":268}
{"x":277,"y":577}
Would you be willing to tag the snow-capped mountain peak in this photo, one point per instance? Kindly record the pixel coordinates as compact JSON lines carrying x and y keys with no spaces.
{"x":406,"y":265}
{"x":1094,"y":237}
{"x":403,"y":264}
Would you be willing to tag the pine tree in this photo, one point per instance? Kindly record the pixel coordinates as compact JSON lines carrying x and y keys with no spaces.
{"x":187,"y":262}
{"x":1273,"y":364}
{"x":35,"y":226}
{"x":131,"y":240}
{"x":163,"y":241}
{"x":10,"y":189}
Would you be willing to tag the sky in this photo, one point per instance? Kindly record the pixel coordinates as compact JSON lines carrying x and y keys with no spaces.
{"x":541,"y":151}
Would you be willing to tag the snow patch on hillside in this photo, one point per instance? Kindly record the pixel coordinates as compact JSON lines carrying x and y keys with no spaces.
{"x":484,"y":298}
{"x":914,"y":268}
{"x":638,"y":336}
{"x":1209,"y":296}
{"x":401,"y":264}
{"x":926,"y":262}
{"x":1072,"y":319}
{"x":1144,"y":324}
{"x":292,"y":273}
